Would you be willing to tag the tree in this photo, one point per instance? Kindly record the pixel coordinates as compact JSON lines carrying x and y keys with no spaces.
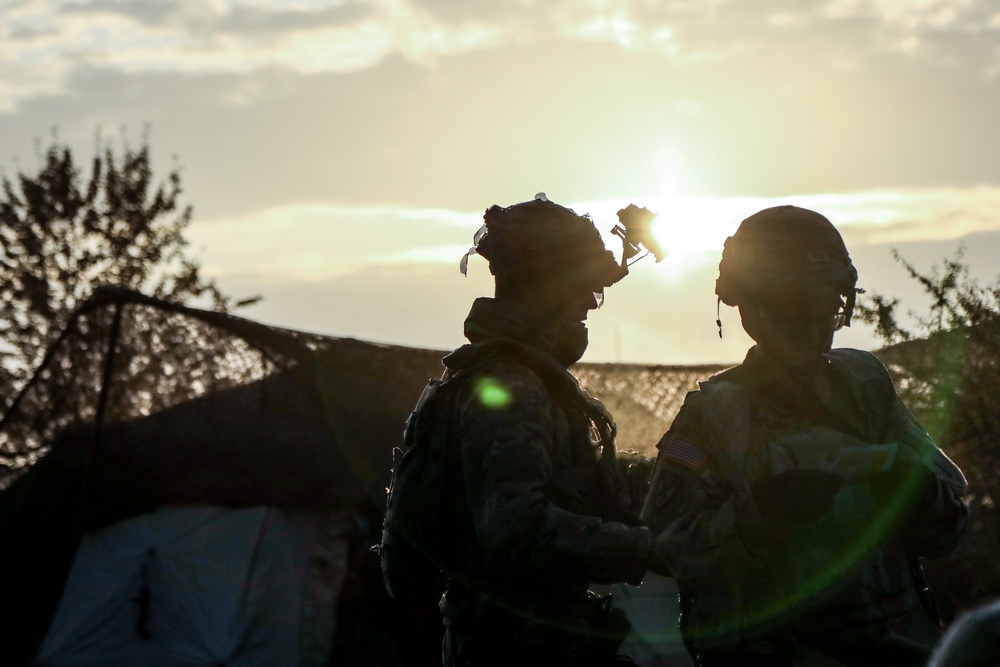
{"x":63,"y":233}
{"x":950,"y":363}
{"x":948,"y":372}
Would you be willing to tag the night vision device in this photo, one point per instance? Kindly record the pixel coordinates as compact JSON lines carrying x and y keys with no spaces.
{"x":633,"y":229}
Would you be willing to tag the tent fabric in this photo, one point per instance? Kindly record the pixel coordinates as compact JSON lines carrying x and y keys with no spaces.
{"x":653,"y":641}
{"x":199,"y":586}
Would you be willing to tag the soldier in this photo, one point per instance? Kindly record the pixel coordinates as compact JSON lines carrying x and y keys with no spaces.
{"x":793,"y":493}
{"x":542,"y":506}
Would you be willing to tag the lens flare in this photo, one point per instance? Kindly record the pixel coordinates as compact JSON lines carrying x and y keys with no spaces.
{"x":492,"y":394}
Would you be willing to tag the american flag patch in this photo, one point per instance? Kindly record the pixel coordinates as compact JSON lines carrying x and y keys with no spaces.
{"x":683,"y":452}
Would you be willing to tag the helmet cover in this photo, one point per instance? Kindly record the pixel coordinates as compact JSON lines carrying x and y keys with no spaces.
{"x":539,"y":239}
{"x":786,"y":254}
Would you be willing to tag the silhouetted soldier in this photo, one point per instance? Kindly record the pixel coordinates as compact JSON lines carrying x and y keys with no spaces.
{"x":539,"y":503}
{"x":793,"y":494}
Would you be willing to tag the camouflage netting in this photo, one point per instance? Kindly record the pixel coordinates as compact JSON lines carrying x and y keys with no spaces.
{"x":643,"y":399}
{"x":195,"y":397}
{"x":142,"y":403}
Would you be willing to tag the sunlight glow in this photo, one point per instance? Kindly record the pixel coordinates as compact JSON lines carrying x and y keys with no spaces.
{"x":692,"y":224}
{"x":669,"y":170}
{"x":686,"y":224}
{"x":319,"y":241}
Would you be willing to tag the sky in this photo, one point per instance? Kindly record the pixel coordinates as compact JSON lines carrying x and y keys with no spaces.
{"x":339,"y":155}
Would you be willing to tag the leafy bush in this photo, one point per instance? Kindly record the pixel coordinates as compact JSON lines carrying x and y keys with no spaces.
{"x":948,"y":372}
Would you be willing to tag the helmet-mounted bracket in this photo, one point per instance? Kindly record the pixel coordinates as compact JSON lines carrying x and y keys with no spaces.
{"x":633,"y":229}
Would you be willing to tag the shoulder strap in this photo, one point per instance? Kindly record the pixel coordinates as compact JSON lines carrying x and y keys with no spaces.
{"x":555,"y":376}
{"x":564,"y":384}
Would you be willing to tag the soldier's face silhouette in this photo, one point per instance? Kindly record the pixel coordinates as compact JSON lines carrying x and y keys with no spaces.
{"x":794,"y":333}
{"x":565,"y":299}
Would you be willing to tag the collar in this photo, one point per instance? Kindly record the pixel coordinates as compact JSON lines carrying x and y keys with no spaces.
{"x":514,"y":320}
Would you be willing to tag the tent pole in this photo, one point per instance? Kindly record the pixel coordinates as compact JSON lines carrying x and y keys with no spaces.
{"x":102,"y":403}
{"x":109,"y":363}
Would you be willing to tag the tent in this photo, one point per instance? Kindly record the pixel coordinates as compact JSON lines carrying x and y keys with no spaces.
{"x":187,"y":487}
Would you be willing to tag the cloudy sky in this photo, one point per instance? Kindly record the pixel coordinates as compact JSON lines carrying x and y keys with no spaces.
{"x":339,"y":154}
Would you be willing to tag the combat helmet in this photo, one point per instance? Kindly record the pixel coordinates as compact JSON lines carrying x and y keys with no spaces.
{"x":786,"y":253}
{"x":539,"y":240}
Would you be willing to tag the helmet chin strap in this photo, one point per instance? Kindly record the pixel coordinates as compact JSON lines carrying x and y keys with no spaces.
{"x":718,"y":315}
{"x":852,"y":298}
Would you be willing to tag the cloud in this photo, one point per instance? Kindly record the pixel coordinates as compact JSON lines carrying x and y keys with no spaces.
{"x":941,"y":33}
{"x":689,"y":224}
{"x":653,"y":316}
{"x":239,"y":19}
{"x":150,"y":13}
{"x":369,"y":108}
{"x":320,"y":241}
{"x":906,"y":216}
{"x":930,"y":15}
{"x":582,"y":122}
{"x":411,"y":304}
{"x":45,"y":40}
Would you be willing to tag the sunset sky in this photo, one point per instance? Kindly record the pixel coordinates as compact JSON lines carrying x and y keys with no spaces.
{"x":339,"y":155}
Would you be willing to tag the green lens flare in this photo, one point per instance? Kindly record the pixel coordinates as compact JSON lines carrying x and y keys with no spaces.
{"x":492,"y":394}
{"x":857,"y":540}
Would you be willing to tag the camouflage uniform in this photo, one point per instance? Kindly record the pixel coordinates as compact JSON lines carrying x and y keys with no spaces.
{"x":543,"y":511}
{"x":837,"y":591}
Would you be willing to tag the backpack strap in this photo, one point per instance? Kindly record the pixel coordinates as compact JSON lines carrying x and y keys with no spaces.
{"x":564,"y":385}
{"x":555,"y":377}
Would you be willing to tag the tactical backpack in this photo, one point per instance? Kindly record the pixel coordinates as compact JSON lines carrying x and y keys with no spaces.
{"x":418,"y":543}
{"x":413,"y":543}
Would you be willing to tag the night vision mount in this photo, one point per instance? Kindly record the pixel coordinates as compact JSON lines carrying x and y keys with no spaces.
{"x":633,"y":229}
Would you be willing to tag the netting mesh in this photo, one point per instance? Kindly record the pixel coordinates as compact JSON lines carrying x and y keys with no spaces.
{"x":194,"y":402}
{"x":643,"y":399}
{"x":161,"y":357}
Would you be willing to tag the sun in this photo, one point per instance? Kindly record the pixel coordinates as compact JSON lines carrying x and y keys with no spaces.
{"x":685,"y":223}
{"x":688,"y":227}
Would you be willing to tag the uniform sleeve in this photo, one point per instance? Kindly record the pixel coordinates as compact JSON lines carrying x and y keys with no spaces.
{"x":941,"y":515}
{"x":635,"y":469}
{"x":706,"y":528}
{"x":508,"y":421}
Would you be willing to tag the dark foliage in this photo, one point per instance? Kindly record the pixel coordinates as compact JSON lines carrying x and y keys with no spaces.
{"x":62,"y":233}
{"x":948,"y":372}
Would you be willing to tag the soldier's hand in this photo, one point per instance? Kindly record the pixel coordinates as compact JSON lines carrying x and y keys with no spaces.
{"x":796,"y":496}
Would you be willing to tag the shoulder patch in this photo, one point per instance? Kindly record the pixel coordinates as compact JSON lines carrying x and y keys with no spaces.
{"x":683,"y":452}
